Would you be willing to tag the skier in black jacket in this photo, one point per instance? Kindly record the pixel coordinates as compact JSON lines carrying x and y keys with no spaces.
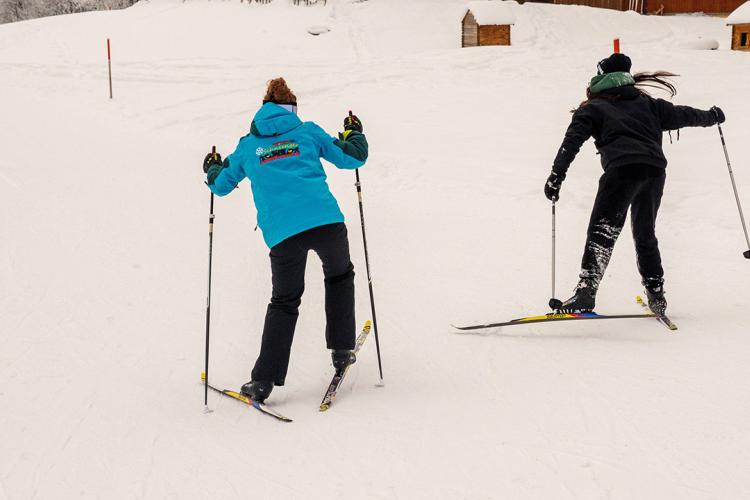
{"x":627,"y":125}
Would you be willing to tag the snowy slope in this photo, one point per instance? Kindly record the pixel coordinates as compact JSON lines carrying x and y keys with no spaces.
{"x":104,"y":255}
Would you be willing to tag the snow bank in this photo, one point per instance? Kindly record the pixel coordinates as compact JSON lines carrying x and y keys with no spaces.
{"x":700,"y":43}
{"x":741,"y":15}
{"x":493,"y":12}
{"x":318,"y":30}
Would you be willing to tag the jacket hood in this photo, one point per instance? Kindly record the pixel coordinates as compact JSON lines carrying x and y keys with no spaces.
{"x":272,"y":119}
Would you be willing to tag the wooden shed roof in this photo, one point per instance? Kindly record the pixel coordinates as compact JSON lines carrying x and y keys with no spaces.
{"x":493,"y":12}
{"x":741,"y":15}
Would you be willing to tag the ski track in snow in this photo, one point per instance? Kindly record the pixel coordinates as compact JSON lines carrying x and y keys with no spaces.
{"x":102,"y":269}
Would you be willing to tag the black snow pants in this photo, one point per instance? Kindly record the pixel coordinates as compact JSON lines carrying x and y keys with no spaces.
{"x":639,"y":187}
{"x":288,"y":261}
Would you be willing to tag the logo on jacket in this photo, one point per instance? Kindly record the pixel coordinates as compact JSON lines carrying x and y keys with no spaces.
{"x":277,"y":151}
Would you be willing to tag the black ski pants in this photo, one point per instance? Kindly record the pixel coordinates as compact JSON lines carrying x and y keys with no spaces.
{"x":639,"y":187}
{"x":288,"y":262}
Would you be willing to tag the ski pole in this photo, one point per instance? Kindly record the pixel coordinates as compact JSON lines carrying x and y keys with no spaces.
{"x":208,"y":300}
{"x":554,"y":304}
{"x":746,"y":254}
{"x":369,"y":277}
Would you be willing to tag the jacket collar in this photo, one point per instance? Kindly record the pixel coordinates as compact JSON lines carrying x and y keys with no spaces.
{"x":624,"y":92}
{"x":272,"y":120}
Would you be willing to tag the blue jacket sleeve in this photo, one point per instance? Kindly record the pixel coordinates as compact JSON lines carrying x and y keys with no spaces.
{"x":350,"y":151}
{"x":229,"y":175}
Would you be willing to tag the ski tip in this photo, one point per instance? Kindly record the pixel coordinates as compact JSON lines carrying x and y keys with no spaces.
{"x":325,"y":406}
{"x":368,"y":325}
{"x":282,"y":418}
{"x":203,"y":376}
{"x":268,"y":411}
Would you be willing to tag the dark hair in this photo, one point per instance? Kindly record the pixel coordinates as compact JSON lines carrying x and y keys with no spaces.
{"x":656,"y":80}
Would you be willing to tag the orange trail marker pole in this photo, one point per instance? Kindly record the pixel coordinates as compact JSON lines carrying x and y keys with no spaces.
{"x":109,"y":64}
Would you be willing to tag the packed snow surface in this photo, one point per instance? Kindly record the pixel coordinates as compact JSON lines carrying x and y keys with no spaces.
{"x":104,"y":257}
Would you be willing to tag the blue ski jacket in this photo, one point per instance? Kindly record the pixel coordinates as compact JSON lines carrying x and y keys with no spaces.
{"x":281,"y":158}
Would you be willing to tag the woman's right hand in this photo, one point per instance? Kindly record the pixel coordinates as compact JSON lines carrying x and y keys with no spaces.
{"x":212,"y":158}
{"x":719,"y":114}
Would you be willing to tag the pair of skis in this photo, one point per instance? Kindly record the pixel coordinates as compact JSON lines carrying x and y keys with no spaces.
{"x":328,"y":398}
{"x":664,"y":320}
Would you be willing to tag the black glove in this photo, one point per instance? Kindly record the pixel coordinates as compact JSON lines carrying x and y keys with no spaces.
{"x":719,"y":114}
{"x":553,"y":185}
{"x":211,"y":159}
{"x":351,"y":122}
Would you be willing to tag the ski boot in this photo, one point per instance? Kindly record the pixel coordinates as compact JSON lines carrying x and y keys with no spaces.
{"x":655,"y":294}
{"x":342,"y":358}
{"x":583,"y":300}
{"x":257,"y":390}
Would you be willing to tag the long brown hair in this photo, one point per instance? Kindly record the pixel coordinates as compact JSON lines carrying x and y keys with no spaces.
{"x":656,"y":80}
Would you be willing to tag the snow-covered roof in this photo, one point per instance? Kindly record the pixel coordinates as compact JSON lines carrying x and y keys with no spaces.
{"x":741,"y":15}
{"x":493,"y":12}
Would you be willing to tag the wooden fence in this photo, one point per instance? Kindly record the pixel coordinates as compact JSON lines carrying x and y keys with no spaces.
{"x":655,"y":6}
{"x":707,"y":6}
{"x":604,"y":4}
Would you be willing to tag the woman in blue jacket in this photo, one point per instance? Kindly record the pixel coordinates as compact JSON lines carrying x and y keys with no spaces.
{"x":296,"y":213}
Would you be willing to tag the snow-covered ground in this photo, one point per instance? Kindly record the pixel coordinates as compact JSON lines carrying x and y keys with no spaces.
{"x":103,"y":262}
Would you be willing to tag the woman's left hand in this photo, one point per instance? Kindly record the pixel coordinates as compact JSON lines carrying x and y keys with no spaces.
{"x":351,"y":122}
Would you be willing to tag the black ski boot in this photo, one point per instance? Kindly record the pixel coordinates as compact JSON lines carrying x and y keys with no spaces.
{"x":257,"y":390}
{"x":342,"y":358}
{"x":655,"y":294}
{"x":583,"y":300}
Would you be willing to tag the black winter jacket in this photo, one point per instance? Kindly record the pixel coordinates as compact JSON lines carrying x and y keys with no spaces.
{"x":627,"y":127}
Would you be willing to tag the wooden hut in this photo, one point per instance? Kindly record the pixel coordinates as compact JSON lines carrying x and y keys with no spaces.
{"x":487,"y":22}
{"x":739,"y":20}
